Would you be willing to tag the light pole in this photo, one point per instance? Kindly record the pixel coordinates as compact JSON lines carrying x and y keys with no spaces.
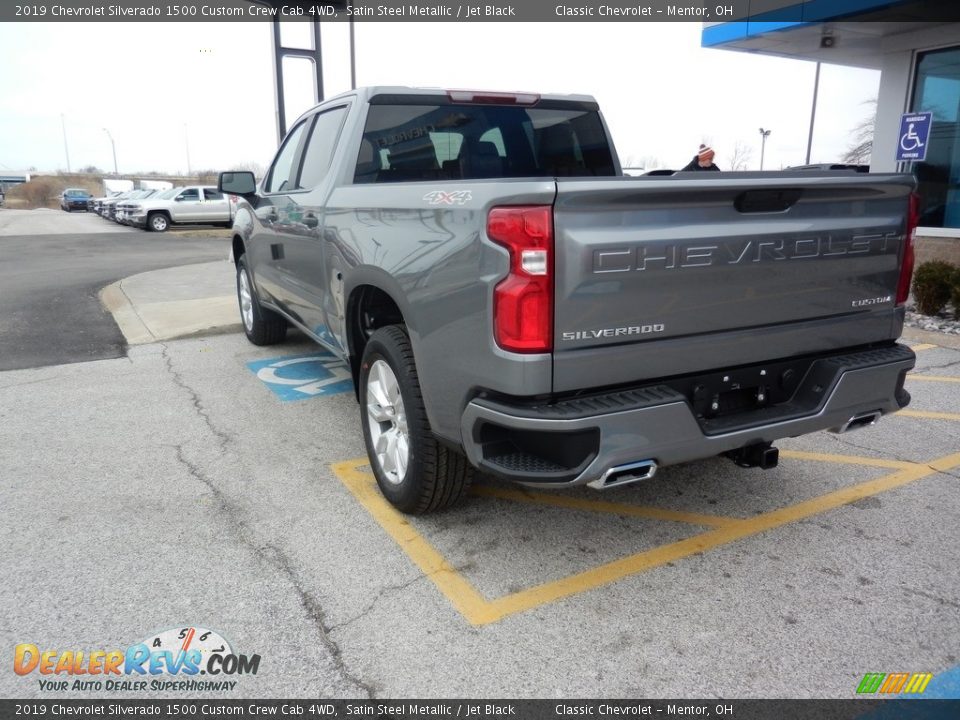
{"x":764,"y":134}
{"x":114,"y":146}
{"x":66,"y":149}
{"x":186,"y":144}
{"x":813,"y":111}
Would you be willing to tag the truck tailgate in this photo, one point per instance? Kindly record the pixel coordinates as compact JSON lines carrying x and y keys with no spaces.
{"x":656,"y":277}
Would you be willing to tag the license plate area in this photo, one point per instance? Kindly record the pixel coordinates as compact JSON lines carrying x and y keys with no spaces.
{"x":741,"y":390}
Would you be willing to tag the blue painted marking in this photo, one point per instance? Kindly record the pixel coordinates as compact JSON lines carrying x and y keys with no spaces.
{"x":298,"y":377}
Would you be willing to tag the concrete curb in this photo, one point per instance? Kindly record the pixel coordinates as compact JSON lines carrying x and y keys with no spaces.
{"x":115,"y":301}
{"x":934,"y":338}
{"x":149,"y":322}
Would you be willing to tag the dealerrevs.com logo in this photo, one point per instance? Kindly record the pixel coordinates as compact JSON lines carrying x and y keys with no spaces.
{"x":168,"y":661}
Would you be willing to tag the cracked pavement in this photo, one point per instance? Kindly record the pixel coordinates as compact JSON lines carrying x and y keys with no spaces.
{"x":171,"y":487}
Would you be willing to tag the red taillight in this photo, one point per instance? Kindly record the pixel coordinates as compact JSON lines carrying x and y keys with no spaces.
{"x":523,"y":301}
{"x":493,"y":98}
{"x":906,"y":266}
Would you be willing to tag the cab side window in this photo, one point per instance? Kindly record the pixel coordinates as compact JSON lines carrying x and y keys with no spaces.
{"x":189,"y":195}
{"x":285,"y":166}
{"x":319,"y":152}
{"x":211,"y":194}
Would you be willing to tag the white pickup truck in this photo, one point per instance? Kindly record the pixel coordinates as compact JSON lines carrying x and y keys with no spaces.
{"x":191,"y":205}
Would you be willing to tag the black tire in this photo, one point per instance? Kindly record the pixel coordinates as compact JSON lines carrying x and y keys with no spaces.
{"x":157,"y":222}
{"x":261,"y":325}
{"x":436,"y":476}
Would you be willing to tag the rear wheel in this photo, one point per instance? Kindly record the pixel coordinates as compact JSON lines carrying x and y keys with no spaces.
{"x":262,"y":326}
{"x":158,"y":222}
{"x":414,"y":471}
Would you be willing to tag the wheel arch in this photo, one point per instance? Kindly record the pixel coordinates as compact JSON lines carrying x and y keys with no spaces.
{"x":370,"y":306}
{"x":159,"y":211}
{"x":238,"y":248}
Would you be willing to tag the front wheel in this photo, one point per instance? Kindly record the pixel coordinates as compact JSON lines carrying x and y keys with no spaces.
{"x":414,"y":471}
{"x":262,"y":326}
{"x":158,"y":222}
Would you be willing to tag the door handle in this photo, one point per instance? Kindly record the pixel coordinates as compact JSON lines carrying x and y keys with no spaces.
{"x":310,"y":220}
{"x":267,"y":214}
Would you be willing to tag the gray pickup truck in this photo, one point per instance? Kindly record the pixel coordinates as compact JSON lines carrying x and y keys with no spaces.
{"x":509,"y":302}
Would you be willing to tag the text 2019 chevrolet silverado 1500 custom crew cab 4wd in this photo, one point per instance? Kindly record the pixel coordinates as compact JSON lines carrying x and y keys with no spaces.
{"x":508,"y":301}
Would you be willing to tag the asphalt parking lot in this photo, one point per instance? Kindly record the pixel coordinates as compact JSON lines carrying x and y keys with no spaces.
{"x":207,"y":482}
{"x":53,"y":266}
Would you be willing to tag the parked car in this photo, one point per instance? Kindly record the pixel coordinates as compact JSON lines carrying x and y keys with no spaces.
{"x":194,"y":204}
{"x":107,"y":204}
{"x":74,"y":199}
{"x":110,"y":208}
{"x":506,"y":300}
{"x":98,"y":203}
{"x":126,"y":207}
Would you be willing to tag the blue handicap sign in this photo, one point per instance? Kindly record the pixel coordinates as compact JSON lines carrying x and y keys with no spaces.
{"x":914,"y":136}
{"x":298,"y":377}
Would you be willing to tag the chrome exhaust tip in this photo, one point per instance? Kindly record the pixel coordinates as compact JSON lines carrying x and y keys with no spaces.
{"x":859,"y":421}
{"x":625,"y":474}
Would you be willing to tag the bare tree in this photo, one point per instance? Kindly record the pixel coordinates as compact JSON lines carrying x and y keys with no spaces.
{"x":858,"y":153}
{"x":647,"y":162}
{"x":256,"y":168}
{"x":739,"y":157}
{"x":651,"y":162}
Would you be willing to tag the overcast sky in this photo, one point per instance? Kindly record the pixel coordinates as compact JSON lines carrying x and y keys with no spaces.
{"x":158,"y":87}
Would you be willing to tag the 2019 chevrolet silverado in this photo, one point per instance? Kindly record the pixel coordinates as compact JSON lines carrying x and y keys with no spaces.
{"x":507,"y":300}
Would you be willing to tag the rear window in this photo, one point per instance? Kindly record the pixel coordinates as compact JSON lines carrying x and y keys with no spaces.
{"x":469,"y":142}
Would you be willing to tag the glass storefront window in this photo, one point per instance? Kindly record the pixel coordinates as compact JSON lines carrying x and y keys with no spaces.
{"x":937,"y":90}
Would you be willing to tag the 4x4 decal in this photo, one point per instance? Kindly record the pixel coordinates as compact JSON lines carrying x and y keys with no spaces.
{"x":440,"y":197}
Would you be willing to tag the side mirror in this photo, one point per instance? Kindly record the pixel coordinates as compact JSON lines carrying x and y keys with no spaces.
{"x":238,"y":182}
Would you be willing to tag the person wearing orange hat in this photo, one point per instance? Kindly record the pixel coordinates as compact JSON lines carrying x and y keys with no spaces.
{"x":703,"y":160}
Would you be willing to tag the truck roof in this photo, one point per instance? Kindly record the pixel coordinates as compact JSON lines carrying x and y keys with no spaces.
{"x":366,"y":93}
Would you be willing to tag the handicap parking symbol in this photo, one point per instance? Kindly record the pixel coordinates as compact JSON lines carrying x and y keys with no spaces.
{"x":914,"y":136}
{"x":298,"y":377}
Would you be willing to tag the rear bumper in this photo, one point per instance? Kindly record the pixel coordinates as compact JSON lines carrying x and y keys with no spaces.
{"x":578,"y":441}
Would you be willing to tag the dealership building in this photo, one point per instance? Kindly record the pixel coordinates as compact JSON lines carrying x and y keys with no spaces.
{"x":918,"y":56}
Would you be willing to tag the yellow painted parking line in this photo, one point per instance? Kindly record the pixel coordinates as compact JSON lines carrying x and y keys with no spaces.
{"x":933,"y":378}
{"x":846,"y":459}
{"x":480,"y":611}
{"x":457,"y":589}
{"x":639,"y":562}
{"x":945,"y":464}
{"x":576,"y":503}
{"x":929,"y":415}
{"x":923,"y":346}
